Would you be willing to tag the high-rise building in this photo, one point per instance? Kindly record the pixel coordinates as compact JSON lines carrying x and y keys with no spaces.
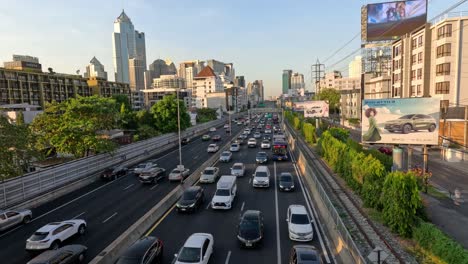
{"x":206,"y":82}
{"x":95,"y":69}
{"x":157,"y":69}
{"x":239,"y":81}
{"x":127,"y":44}
{"x":286,"y":81}
{"x":190,"y":69}
{"x":223,"y":69}
{"x":297,"y":84}
{"x":355,"y":67}
{"x":24,"y":63}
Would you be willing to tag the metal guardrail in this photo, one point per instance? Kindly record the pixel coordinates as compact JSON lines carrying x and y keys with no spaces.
{"x":20,"y":189}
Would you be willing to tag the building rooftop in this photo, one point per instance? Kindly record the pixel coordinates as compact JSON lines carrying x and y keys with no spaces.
{"x":206,"y":72}
{"x":123,"y":18}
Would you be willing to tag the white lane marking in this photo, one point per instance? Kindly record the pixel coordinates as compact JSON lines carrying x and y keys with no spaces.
{"x":208,"y":206}
{"x":75,"y":217}
{"x":278,"y":241}
{"x":128,"y":187}
{"x":152,"y":188}
{"x":109,"y":218}
{"x":242,"y":207}
{"x":228,"y":257}
{"x":250,"y":180}
{"x":311,"y":208}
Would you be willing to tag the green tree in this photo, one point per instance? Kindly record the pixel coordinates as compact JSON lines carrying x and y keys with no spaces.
{"x":165,"y":115}
{"x":72,"y":126}
{"x":16,"y":148}
{"x":144,"y":117}
{"x":332,"y":96}
{"x":122,"y":99}
{"x":206,"y":115}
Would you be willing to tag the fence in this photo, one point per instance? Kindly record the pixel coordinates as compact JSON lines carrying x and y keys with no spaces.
{"x":20,"y":189}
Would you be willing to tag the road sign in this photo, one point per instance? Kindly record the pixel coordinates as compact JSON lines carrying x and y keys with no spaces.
{"x":378,"y":255}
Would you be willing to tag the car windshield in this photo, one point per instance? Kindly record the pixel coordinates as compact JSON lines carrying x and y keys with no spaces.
{"x":176,"y":171}
{"x":261,"y":154}
{"x":225,"y":154}
{"x":266,"y":142}
{"x":261,"y":174}
{"x":308,"y":256}
{"x":222,"y":192}
{"x":237,"y":167}
{"x":39,"y":236}
{"x":234,"y":145}
{"x":300,"y":219}
{"x":209,"y":172}
{"x":141,"y":166}
{"x":189,"y":195}
{"x":189,"y":254}
{"x":285,"y":178}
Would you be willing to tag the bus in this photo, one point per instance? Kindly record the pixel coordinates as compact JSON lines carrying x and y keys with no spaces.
{"x":280,"y":149}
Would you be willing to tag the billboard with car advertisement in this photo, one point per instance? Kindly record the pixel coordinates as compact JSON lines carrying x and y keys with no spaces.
{"x":312,"y":108}
{"x":390,"y":20}
{"x":413,"y":121}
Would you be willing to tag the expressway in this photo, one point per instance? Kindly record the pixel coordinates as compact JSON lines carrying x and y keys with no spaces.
{"x":174,"y":228}
{"x":108,"y":207}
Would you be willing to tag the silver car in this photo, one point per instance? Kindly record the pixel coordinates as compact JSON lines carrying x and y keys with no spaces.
{"x":178,"y":174}
{"x":225,"y":156}
{"x":209,"y":175}
{"x":11,"y":218}
{"x":238,"y":169}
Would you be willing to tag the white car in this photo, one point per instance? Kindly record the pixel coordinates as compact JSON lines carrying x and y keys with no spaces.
{"x":268,"y":131}
{"x":209,"y":175}
{"x":257,"y":135}
{"x":11,"y":218}
{"x":252,"y":143}
{"x":52,"y":235}
{"x":143,"y":166}
{"x":299,"y":224}
{"x":196,"y":250}
{"x":213,"y":129}
{"x":265,"y":144}
{"x":226,"y":126}
{"x":238,"y":169}
{"x":212,"y":148}
{"x":178,"y":175}
{"x":234,"y":147}
{"x":225,"y":156}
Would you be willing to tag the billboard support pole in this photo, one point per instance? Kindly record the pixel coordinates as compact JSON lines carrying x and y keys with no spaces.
{"x":410,"y":156}
{"x":425,"y":167}
{"x":466,"y":133}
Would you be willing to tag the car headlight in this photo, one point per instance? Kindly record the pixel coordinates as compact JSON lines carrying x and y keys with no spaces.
{"x":192,"y":205}
{"x":255,"y":181}
{"x":281,"y":186}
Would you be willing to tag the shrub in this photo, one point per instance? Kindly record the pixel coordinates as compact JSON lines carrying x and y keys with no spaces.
{"x":339,"y":133}
{"x":297,"y":123}
{"x":308,"y":131}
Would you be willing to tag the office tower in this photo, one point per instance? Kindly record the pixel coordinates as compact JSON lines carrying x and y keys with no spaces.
{"x":95,"y":69}
{"x":286,"y":81}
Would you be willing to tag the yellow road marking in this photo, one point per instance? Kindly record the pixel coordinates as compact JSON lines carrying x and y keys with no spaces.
{"x":160,"y":220}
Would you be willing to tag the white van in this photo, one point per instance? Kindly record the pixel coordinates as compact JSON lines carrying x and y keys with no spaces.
{"x":261,"y":177}
{"x":226,"y":190}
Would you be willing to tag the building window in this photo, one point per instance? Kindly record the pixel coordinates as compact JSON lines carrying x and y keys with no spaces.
{"x":396,"y":91}
{"x":396,"y":51}
{"x":444,"y":50}
{"x":419,"y":89}
{"x":413,"y":59}
{"x":419,"y":74}
{"x":413,"y":75}
{"x":442,"y":88}
{"x":412,"y":90}
{"x":443,"y":69}
{"x":413,"y":43}
{"x":420,"y":41}
{"x":444,"y":31}
{"x":419,"y":57}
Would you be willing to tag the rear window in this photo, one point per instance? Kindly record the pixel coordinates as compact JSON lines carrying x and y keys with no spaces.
{"x":237,"y":167}
{"x":222,"y":192}
{"x":190,"y":195}
{"x":308,"y":256}
{"x":261,"y":174}
{"x":39,"y":236}
{"x":209,"y":172}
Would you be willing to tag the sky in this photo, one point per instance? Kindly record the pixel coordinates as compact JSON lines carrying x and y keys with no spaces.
{"x":261,"y":37}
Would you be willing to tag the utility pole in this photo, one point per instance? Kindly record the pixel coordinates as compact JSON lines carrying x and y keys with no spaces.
{"x":466,"y":133}
{"x":318,"y":73}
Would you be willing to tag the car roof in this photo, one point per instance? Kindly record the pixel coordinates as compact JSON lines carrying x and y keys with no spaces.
{"x":297,"y":209}
{"x":139,"y":248}
{"x":196,"y":240}
{"x":50,"y":226}
{"x":251,"y":214}
{"x":306,"y":249}
{"x":193,"y":189}
{"x":210,"y":168}
{"x":226,"y":152}
{"x":238,"y":164}
{"x":286,"y":174}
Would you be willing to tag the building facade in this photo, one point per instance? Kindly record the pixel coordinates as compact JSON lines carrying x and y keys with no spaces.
{"x":105,"y":88}
{"x":154,"y":95}
{"x":95,"y":69}
{"x":206,"y":82}
{"x":286,"y":81}
{"x":355,"y":67}
{"x":24,"y":63}
{"x":189,"y":70}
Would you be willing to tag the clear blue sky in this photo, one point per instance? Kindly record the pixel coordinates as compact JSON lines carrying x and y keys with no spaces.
{"x":261,"y":37}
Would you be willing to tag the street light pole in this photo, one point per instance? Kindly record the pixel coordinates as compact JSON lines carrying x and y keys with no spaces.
{"x":178,"y":125}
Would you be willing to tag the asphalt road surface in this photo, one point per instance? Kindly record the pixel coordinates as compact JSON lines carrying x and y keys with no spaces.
{"x":109,"y":208}
{"x":175,"y":228}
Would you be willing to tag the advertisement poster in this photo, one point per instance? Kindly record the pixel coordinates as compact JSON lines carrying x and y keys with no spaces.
{"x":412,"y":121}
{"x":312,"y":108}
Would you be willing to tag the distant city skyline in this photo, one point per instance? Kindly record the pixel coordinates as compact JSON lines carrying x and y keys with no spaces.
{"x":259,"y":44}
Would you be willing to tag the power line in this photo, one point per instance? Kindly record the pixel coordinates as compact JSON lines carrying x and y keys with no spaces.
{"x":341,"y":48}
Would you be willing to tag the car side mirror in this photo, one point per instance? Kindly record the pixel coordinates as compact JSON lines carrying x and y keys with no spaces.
{"x":176,"y":255}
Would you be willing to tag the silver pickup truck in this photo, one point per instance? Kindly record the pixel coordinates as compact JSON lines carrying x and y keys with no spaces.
{"x":11,"y":218}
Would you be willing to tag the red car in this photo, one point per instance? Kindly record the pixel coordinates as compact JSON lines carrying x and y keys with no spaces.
{"x":386,"y":150}
{"x":216,"y":138}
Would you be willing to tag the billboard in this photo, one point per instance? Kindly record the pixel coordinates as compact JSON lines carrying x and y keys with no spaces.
{"x":390,"y":20}
{"x":412,"y":121}
{"x":312,"y":108}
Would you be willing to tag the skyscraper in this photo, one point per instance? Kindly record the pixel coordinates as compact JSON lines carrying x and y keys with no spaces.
{"x":286,"y":81}
{"x":189,"y":70}
{"x":95,"y":69}
{"x":157,"y":69}
{"x":140,"y":47}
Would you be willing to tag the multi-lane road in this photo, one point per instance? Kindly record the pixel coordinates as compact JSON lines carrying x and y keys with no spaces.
{"x":108,"y":207}
{"x":174,"y":228}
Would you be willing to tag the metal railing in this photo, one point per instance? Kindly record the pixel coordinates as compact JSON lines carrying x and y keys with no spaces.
{"x":31,"y":185}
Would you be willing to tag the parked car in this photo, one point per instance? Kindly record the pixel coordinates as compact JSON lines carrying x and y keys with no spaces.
{"x":265,"y":144}
{"x":178,"y":174}
{"x":212,"y":148}
{"x":216,"y":138}
{"x":226,"y":156}
{"x":152,"y":175}
{"x":234,"y":147}
{"x":252,"y":143}
{"x":113,"y":173}
{"x":52,"y":235}
{"x":142,"y":166}
{"x":250,"y":228}
{"x":10,"y":218}
{"x":286,"y":182}
{"x":206,"y":137}
{"x":197,"y":249}
{"x":238,"y":169}
{"x":304,"y":254}
{"x":145,"y":250}
{"x":185,"y":141}
{"x":261,"y":157}
{"x":191,"y":199}
{"x":299,"y":224}
{"x":209,"y":175}
{"x":69,"y":254}
{"x":213,"y":129}
{"x":257,"y":135}
{"x":413,"y":122}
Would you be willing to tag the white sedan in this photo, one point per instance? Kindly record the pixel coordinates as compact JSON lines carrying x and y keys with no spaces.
{"x":234,"y":147}
{"x":209,"y":175}
{"x":299,"y":224}
{"x":212,"y":148}
{"x":238,"y":169}
{"x":52,"y":235}
{"x":265,"y":144}
{"x":197,"y":249}
{"x":213,"y":129}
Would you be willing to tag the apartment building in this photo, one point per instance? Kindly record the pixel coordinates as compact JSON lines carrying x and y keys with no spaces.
{"x":206,"y":82}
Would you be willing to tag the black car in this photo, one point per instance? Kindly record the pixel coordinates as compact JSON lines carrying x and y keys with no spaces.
{"x":250,"y":229}
{"x":113,"y":173}
{"x":286,"y":182}
{"x":261,"y":157}
{"x":266,"y":137}
{"x":64,"y":255}
{"x":145,"y":250}
{"x":191,"y":199}
{"x":304,"y":254}
{"x":185,"y":141}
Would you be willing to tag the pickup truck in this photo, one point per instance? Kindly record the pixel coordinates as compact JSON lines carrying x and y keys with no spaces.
{"x":11,"y":218}
{"x":152,"y":175}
